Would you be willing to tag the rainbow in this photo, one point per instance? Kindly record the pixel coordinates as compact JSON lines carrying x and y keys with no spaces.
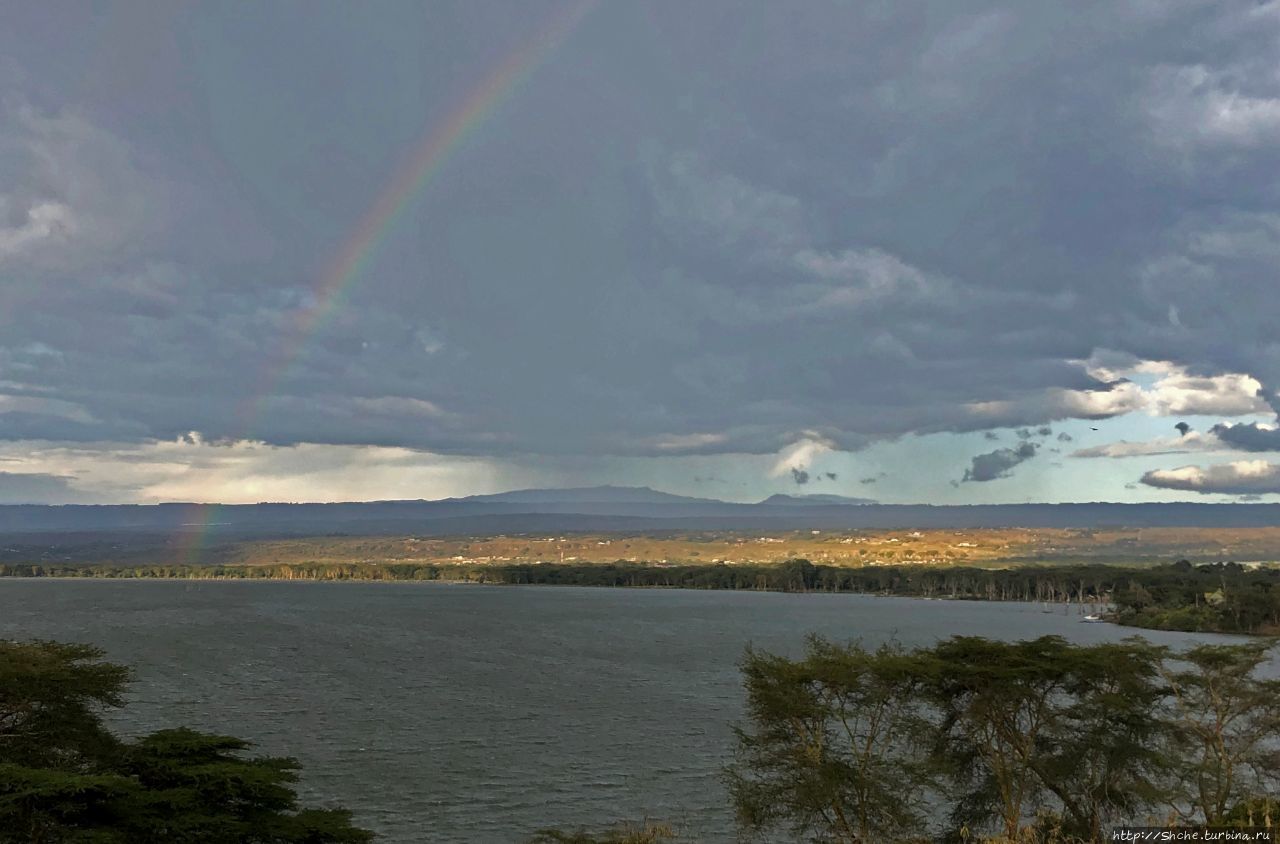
{"x":192,"y":537}
{"x":410,"y":179}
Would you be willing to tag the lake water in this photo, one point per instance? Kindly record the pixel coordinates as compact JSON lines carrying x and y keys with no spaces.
{"x":443,"y":713}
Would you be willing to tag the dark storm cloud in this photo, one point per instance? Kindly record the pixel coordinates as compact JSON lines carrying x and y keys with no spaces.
{"x":18,"y":488}
{"x":997,"y":464}
{"x":21,"y":425}
{"x":657,"y":245}
{"x":1248,"y":436}
{"x":800,"y":476}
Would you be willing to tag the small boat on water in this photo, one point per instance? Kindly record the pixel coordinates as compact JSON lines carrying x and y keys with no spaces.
{"x":1093,"y":618}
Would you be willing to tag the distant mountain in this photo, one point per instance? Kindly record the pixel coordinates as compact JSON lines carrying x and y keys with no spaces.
{"x":598,"y":508}
{"x":587,"y":495}
{"x":822,"y":499}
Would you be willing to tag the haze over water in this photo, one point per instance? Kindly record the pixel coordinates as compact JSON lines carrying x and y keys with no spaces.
{"x":449,"y":713}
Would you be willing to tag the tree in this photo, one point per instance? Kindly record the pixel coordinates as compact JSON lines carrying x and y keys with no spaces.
{"x":1024,"y":741}
{"x":65,"y":778}
{"x":829,"y":750}
{"x":51,"y":697}
{"x":1225,"y":725}
{"x":1105,"y":763}
{"x":198,"y":788}
{"x":1065,"y":730}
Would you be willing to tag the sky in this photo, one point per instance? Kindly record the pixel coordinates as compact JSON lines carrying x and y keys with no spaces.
{"x":942,"y":252}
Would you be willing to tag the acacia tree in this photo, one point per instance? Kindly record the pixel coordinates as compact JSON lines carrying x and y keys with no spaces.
{"x":1224,"y":725}
{"x":51,"y":697}
{"x":831,"y":745}
{"x":1040,"y":739}
{"x":65,"y":778}
{"x":1044,"y":731}
{"x":1104,"y":762}
{"x":999,"y":711}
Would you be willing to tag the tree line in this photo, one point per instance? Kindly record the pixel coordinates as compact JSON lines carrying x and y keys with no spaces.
{"x":1218,"y":597}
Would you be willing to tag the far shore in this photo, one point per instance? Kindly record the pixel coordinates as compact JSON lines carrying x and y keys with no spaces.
{"x":1209,"y":598}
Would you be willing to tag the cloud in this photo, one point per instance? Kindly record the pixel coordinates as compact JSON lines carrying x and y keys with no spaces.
{"x":1192,"y":442}
{"x":1057,"y":403}
{"x":800,"y":455}
{"x":37,"y":488}
{"x":704,"y":204}
{"x":41,"y":221}
{"x":1248,"y":436}
{"x":429,"y":341}
{"x":70,"y":195}
{"x":997,"y":464}
{"x":1173,"y":393}
{"x":1244,"y":477}
{"x":882,"y":231}
{"x":1193,"y":106}
{"x":688,"y":443}
{"x":1228,"y":394}
{"x":399,"y":406}
{"x":800,"y":476}
{"x":190,"y":468}
{"x":1064,"y":437}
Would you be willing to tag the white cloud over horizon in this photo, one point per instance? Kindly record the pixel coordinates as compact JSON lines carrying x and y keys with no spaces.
{"x":1241,"y":477}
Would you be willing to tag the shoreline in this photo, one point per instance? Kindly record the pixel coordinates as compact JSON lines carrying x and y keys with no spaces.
{"x":1213,"y":598}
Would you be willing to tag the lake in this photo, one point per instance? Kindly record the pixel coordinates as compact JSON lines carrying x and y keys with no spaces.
{"x":446,"y":713}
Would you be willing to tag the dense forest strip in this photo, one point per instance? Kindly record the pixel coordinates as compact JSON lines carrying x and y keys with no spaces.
{"x":1219,"y":597}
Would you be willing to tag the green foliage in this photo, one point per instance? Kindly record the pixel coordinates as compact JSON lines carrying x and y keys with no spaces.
{"x":1224,"y":725}
{"x":65,"y":778}
{"x":1046,"y":723}
{"x":1032,"y":741}
{"x":51,"y":697}
{"x":55,"y":805}
{"x":831,"y":749}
